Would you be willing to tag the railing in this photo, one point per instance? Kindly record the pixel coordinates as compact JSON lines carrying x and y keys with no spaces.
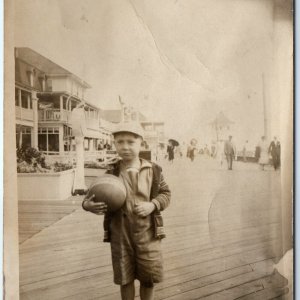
{"x":65,"y":115}
{"x":53,"y":115}
{"x":24,"y":113}
{"x":70,"y":156}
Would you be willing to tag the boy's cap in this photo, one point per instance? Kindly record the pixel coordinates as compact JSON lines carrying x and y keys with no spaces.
{"x":131,"y":127}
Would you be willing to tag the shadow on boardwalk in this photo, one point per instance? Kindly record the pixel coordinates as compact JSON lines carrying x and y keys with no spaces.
{"x":223,"y":237}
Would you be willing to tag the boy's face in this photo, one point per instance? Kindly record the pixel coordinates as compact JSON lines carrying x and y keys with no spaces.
{"x":128,"y":145}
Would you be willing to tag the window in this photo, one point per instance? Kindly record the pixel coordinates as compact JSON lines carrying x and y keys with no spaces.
{"x":53,"y":142}
{"x":49,"y":85}
{"x":48,"y":139}
{"x":16,"y":97}
{"x":67,"y":131}
{"x":86,"y":144}
{"x":64,"y":103}
{"x":42,"y":142}
{"x":23,"y":136}
{"x":26,"y":99}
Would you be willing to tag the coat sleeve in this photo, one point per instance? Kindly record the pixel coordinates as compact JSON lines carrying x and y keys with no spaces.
{"x":162,"y":200}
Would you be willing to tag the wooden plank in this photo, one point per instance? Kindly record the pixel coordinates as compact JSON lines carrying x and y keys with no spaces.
{"x":192,"y":289}
{"x":230,"y":255}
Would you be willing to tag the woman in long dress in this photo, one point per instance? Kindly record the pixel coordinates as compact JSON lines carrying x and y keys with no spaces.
{"x":170,"y":151}
{"x":264,"y":153}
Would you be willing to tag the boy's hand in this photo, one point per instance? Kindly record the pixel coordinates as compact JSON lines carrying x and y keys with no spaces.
{"x":98,"y":208}
{"x":144,"y":209}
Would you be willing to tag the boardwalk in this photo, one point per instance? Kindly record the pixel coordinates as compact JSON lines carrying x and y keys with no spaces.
{"x":223,"y":236}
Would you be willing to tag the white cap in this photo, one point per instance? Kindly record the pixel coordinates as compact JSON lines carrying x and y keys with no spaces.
{"x":131,"y":127}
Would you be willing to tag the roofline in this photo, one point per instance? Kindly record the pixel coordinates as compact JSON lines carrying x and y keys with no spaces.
{"x":68,"y":73}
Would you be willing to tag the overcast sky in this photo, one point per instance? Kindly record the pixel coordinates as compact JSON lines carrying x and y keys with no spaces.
{"x":175,"y":60}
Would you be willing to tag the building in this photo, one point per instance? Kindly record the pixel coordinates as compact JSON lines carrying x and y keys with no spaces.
{"x":45,"y":95}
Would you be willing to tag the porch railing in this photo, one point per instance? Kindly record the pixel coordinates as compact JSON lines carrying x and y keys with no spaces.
{"x":53,"y":115}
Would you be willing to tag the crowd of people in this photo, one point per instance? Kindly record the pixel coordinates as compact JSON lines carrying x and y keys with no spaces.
{"x":265,"y":153}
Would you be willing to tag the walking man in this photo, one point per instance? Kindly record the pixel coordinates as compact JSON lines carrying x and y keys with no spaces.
{"x":229,"y":150}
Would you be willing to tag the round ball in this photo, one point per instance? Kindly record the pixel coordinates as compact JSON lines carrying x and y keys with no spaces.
{"x":109,"y":189}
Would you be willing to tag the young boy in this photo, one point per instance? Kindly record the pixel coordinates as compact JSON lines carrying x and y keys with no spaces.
{"x":134,"y":231}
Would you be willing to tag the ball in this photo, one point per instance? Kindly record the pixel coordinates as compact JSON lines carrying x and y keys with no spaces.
{"x":109,"y":189}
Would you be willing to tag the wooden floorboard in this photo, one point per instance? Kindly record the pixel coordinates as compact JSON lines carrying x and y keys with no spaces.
{"x":223,"y":234}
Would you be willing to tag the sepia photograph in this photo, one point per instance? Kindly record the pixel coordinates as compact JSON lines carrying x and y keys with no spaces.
{"x":149,"y":151}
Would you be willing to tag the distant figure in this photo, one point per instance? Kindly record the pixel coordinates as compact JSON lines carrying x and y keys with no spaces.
{"x":229,"y":151}
{"x":206,"y":151}
{"x":274,"y":150}
{"x":191,"y":150}
{"x":170,"y":151}
{"x":219,"y":153}
{"x":213,"y":150}
{"x":257,"y":153}
{"x":264,"y":153}
{"x":245,"y":151}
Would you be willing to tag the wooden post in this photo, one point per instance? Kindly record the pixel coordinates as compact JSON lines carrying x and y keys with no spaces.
{"x":20,"y":102}
{"x":61,"y":139}
{"x":34,"y":141}
{"x":61,"y":103}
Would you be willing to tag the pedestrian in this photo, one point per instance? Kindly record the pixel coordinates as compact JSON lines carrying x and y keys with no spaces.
{"x":245,"y":151}
{"x":206,"y":151}
{"x":170,"y":151}
{"x":274,"y":150}
{"x":134,"y":231}
{"x":264,"y":153}
{"x":192,"y":149}
{"x":229,"y":151}
{"x":219,"y":153}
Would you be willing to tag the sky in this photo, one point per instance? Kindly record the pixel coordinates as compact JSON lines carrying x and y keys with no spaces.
{"x":181,"y":62}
